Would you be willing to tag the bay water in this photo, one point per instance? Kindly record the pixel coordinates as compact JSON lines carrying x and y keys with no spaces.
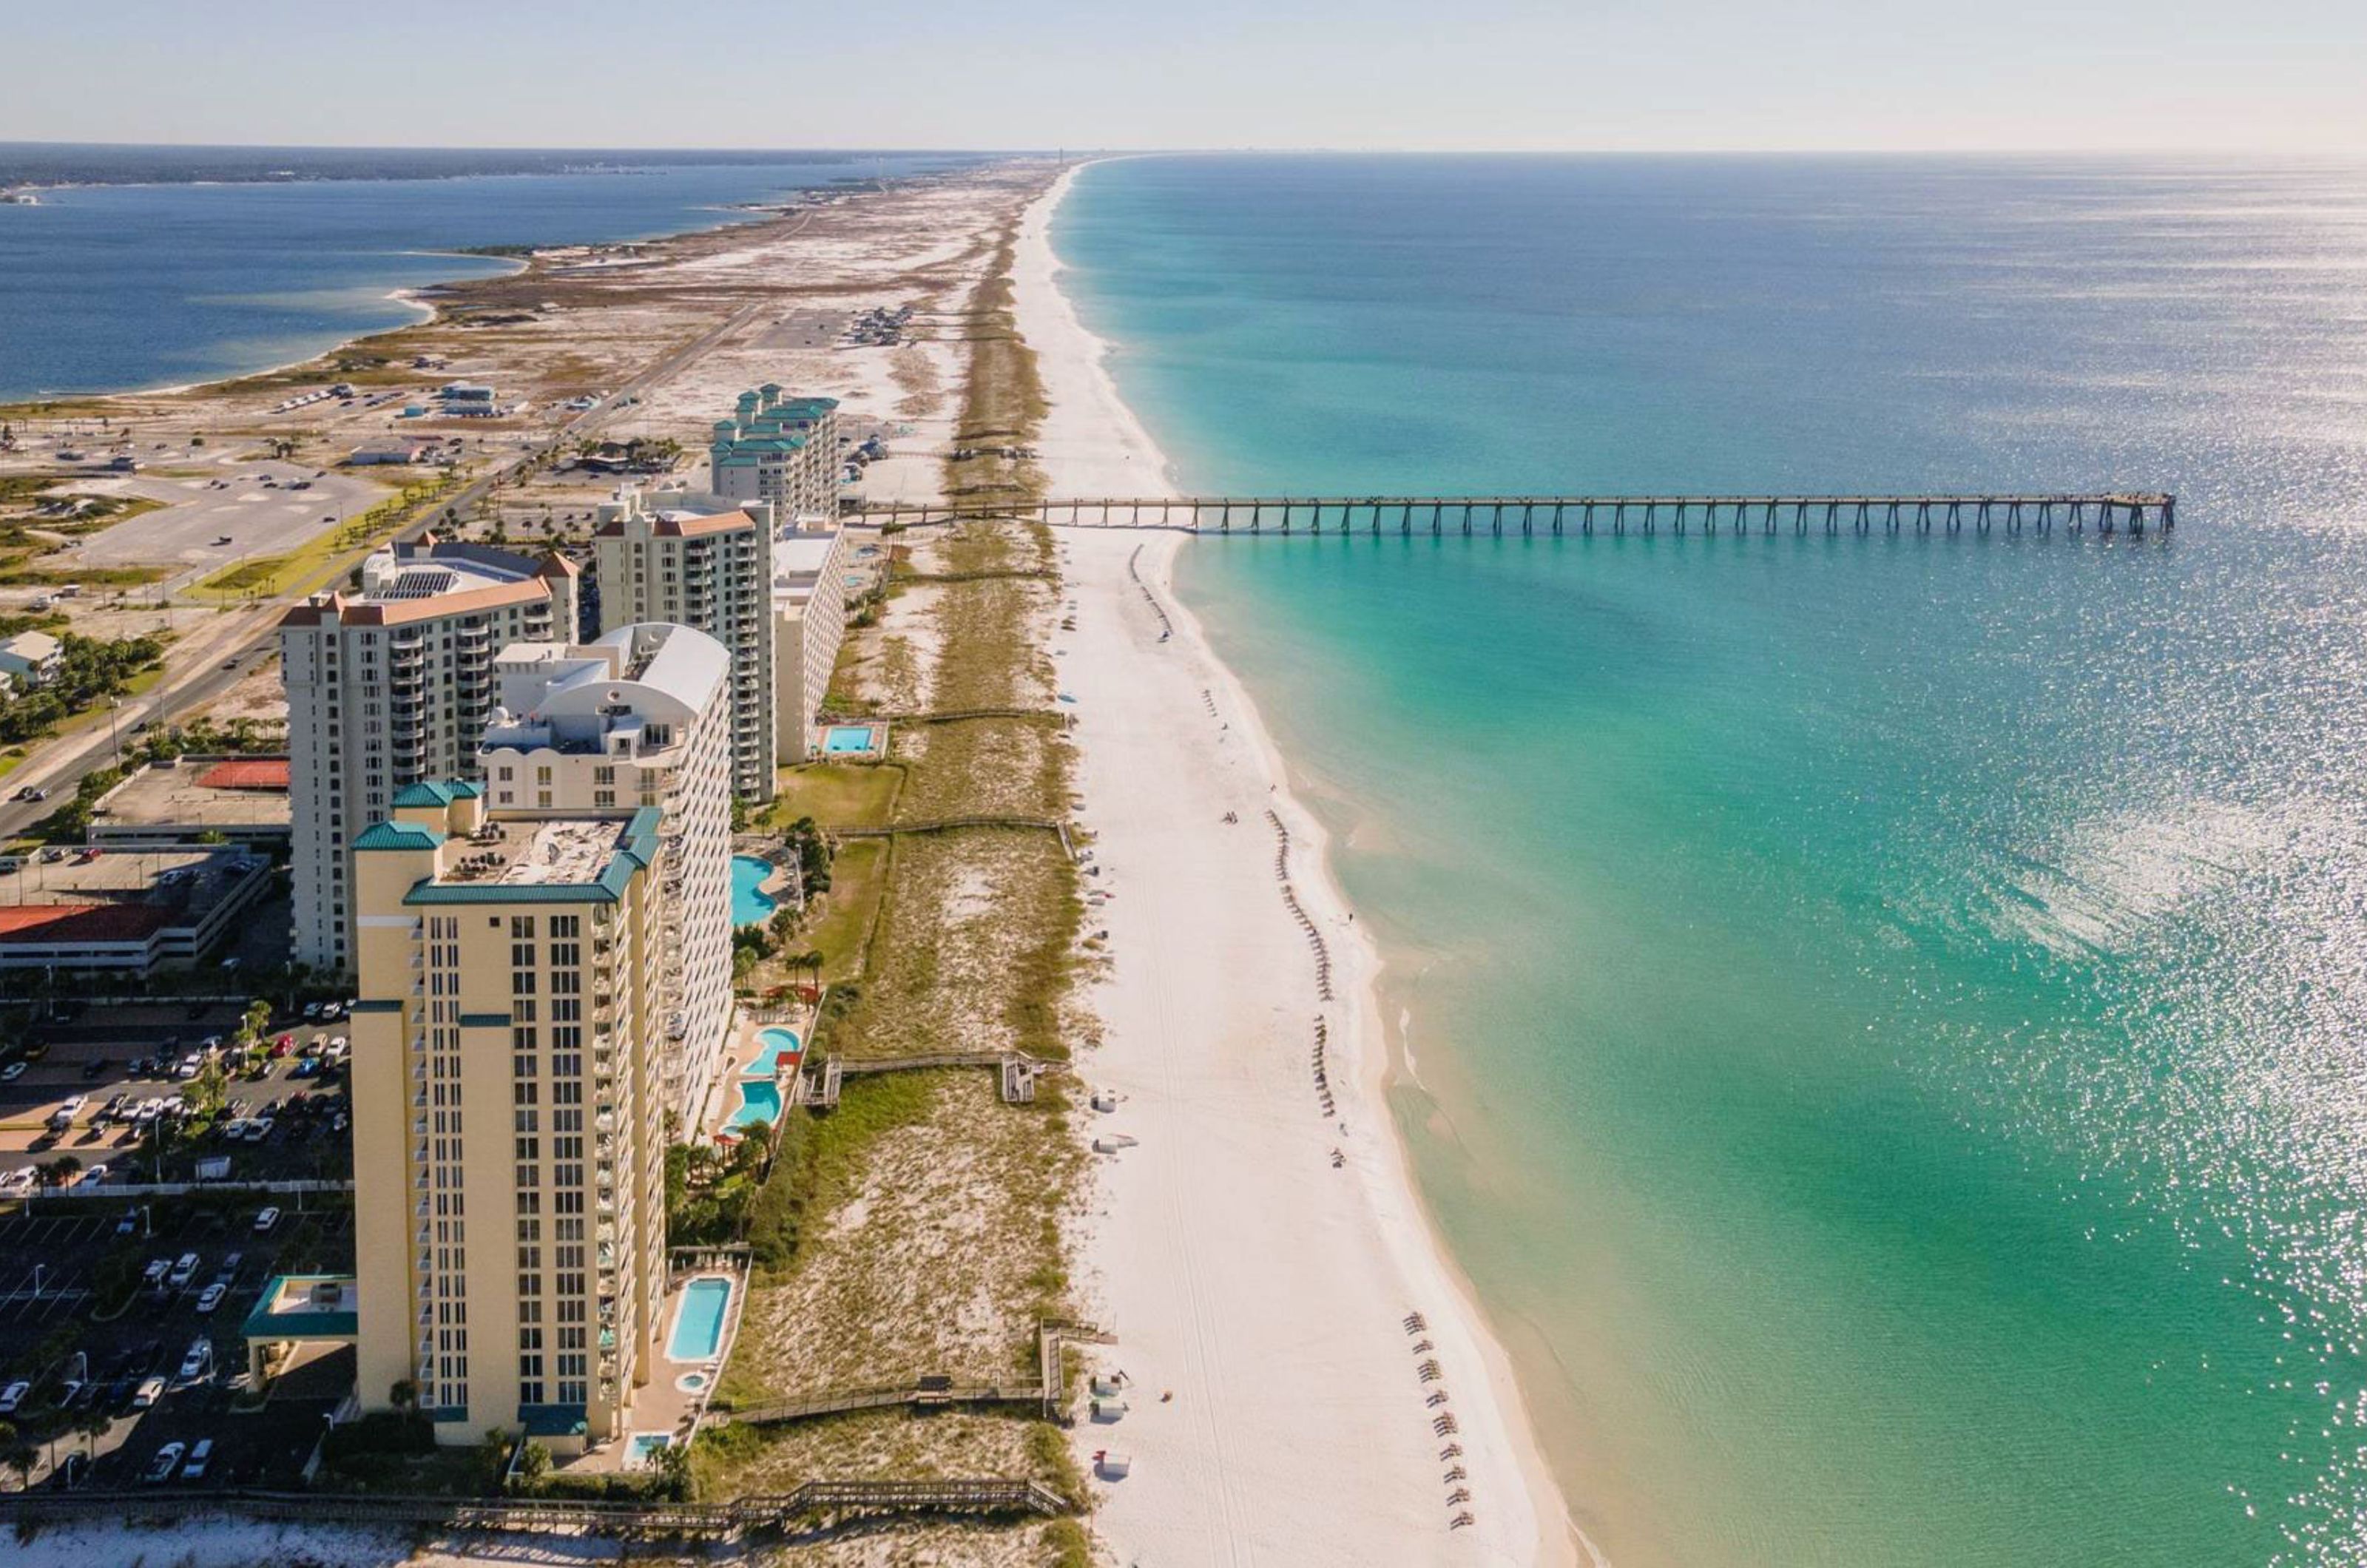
{"x":1887,"y":1015}
{"x":117,"y":287}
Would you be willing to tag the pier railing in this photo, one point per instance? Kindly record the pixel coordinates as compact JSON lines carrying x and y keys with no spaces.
{"x":2116,"y":512}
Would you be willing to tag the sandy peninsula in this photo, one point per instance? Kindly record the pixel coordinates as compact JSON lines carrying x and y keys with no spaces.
{"x":1283,"y":1310}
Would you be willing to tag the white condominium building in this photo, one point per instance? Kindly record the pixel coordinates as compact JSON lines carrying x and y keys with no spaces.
{"x":780,"y":450}
{"x":388,"y":683}
{"x":509,"y":1146}
{"x":640,"y":717}
{"x":810,"y":604}
{"x":707,"y":563}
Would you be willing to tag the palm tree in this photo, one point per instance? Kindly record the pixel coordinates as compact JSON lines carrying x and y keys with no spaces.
{"x":90,"y":1424}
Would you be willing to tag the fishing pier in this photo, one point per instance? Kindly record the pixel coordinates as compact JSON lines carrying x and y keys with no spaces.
{"x":2132,"y":513}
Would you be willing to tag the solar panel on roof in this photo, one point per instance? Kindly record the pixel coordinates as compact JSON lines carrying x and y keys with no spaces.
{"x":423,"y":584}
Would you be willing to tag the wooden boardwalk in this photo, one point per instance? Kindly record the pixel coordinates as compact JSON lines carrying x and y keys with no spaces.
{"x":2107,"y":512}
{"x":818,"y":1083}
{"x":813,"y":1500}
{"x":1053,"y":1338}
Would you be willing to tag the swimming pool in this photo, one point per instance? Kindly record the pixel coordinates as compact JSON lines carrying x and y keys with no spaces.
{"x":760,"y":1104}
{"x":750,"y":906}
{"x":778,"y":1043}
{"x":698,"y":1321}
{"x":845,"y":739}
{"x":643,"y":1452}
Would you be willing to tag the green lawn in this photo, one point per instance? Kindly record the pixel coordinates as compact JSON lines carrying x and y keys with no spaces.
{"x":856,"y":875}
{"x":836,"y":794}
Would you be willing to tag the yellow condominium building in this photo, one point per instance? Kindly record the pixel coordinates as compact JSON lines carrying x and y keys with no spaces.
{"x":509,"y":1162}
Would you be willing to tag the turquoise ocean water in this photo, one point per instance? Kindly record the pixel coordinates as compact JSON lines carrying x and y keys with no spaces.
{"x":1890,"y":1013}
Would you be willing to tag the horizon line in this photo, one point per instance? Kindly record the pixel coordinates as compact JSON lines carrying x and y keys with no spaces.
{"x":2339,"y":154}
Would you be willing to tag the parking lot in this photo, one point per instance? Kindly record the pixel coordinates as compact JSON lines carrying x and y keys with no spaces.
{"x":122,"y":1377}
{"x":115,"y":1074}
{"x":218,"y":510}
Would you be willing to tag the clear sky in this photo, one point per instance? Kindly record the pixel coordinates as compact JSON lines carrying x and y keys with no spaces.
{"x":1876,"y":74}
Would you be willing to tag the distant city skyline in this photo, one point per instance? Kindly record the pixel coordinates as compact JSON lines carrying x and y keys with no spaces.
{"x":1497,"y":74}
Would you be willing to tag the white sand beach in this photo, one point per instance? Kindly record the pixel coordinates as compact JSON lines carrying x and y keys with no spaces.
{"x":1259,"y":1292}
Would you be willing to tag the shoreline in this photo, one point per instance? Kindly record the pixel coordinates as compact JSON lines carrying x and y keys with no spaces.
{"x":408,"y":295}
{"x":1386,"y":1495}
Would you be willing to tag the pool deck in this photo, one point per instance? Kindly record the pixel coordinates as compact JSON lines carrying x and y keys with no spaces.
{"x":747,"y":1044}
{"x":658,"y":1406}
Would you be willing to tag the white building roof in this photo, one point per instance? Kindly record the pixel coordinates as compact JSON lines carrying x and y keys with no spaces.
{"x":555,"y":694}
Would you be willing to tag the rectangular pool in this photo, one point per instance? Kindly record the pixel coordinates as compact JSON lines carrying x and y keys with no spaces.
{"x":698,"y":1321}
{"x":847,"y":740}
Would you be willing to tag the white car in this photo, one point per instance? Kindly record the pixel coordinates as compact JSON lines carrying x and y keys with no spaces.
{"x":200,"y":1355}
{"x":211,"y":1297}
{"x":268,"y":1218}
{"x":12,"y":1072}
{"x":12,"y":1396}
{"x":196,"y":1469}
{"x":189,"y":1066}
{"x":151,"y":1390}
{"x":167,"y":1460}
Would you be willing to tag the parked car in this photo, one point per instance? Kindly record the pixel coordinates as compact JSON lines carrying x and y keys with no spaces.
{"x":150,"y":1391}
{"x":199,"y":1356}
{"x":211,"y":1297}
{"x":265,"y":1221}
{"x":199,"y":1457}
{"x":167,"y":1460}
{"x":12,"y":1072}
{"x":12,"y":1396}
{"x":184,"y":1270}
{"x":97,"y":1068}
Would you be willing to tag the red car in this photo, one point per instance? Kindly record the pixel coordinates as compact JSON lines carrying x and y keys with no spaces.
{"x":281,"y":1046}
